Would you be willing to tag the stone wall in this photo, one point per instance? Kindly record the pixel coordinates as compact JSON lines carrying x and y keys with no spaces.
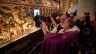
{"x":86,"y":6}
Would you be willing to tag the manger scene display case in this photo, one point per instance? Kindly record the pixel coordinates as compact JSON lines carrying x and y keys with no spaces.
{"x":14,"y":19}
{"x":18,"y":33}
{"x":12,"y":25}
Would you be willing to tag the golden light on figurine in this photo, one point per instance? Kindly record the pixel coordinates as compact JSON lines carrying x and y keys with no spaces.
{"x":13,"y":26}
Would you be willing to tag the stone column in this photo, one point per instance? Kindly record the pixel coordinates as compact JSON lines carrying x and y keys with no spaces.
{"x":67,"y":5}
{"x":75,"y":2}
{"x":61,"y":8}
{"x":86,"y":6}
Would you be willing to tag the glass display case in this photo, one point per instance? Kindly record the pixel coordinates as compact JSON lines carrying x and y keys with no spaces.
{"x":13,"y":25}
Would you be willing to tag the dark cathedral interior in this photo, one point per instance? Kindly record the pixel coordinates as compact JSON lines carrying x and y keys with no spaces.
{"x":47,"y":26}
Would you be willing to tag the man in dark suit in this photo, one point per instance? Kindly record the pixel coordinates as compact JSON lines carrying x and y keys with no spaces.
{"x":37,"y":19}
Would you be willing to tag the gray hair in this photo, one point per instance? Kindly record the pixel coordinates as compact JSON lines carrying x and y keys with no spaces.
{"x":71,"y":23}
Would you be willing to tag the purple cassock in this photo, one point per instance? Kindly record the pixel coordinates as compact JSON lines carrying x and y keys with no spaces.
{"x":58,"y":43}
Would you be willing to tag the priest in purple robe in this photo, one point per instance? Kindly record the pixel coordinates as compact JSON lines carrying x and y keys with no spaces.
{"x":59,"y":43}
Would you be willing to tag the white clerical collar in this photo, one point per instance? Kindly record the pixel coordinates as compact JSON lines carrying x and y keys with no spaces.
{"x":75,"y":28}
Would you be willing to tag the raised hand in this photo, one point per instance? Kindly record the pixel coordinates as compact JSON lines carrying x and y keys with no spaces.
{"x":53,"y":22}
{"x":44,"y":27}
